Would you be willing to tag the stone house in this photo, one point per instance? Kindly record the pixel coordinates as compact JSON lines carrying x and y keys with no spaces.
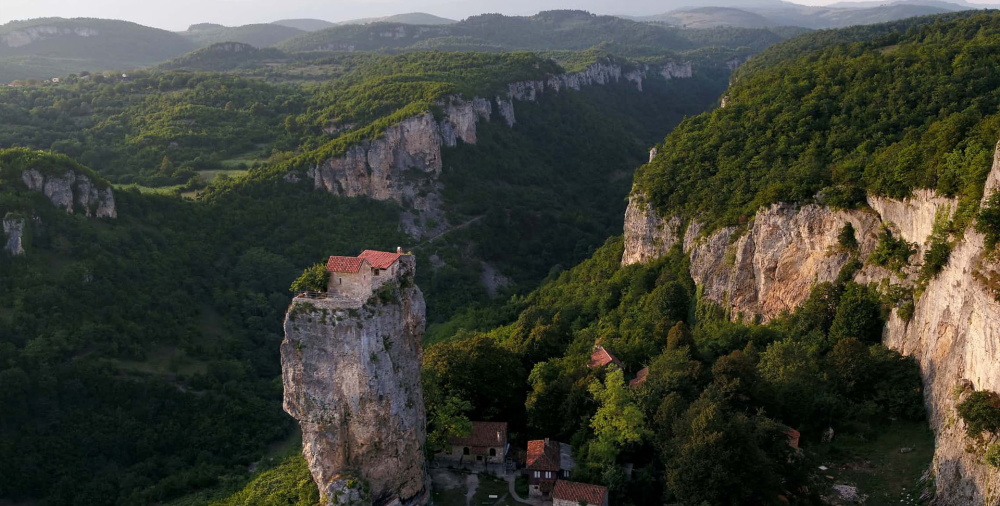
{"x":358,"y":277}
{"x":487,"y":444}
{"x":546,"y":462}
{"x":571,"y":493}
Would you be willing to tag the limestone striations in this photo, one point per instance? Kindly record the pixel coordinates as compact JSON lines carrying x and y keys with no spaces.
{"x":770,"y":267}
{"x":73,"y":192}
{"x":351,"y":372}
{"x":647,"y":235}
{"x":404,"y":164}
{"x":13,"y":228}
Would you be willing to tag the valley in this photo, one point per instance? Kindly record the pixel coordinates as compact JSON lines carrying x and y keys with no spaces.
{"x":790,"y":300}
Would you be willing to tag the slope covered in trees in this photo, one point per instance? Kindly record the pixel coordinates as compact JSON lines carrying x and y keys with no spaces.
{"x":174,"y":308}
{"x":59,"y":46}
{"x":879,"y":111}
{"x":710,"y":423}
{"x":576,"y":30}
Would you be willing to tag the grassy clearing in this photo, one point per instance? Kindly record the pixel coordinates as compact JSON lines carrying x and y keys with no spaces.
{"x":161,"y":190}
{"x":877,"y":467}
{"x":246,"y":158}
{"x":490,"y":486}
{"x":209,"y":175}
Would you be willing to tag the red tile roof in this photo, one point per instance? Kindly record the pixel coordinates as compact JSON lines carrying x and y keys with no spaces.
{"x":344,"y":264}
{"x":793,"y":438}
{"x":640,"y":377}
{"x":380,"y":259}
{"x":579,"y":492}
{"x":601,"y":358}
{"x":484,"y":435}
{"x":543,"y":455}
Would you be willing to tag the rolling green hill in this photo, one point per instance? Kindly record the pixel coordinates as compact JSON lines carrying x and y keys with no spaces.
{"x":412,"y":18}
{"x":259,"y":35}
{"x":306,"y":25}
{"x":61,"y":46}
{"x":572,"y":30}
{"x":709,"y":17}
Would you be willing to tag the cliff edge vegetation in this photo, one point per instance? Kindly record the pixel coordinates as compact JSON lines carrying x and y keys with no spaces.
{"x":891,"y":109}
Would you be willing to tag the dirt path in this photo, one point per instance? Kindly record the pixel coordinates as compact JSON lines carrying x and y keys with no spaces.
{"x":513,"y":492}
{"x":452,"y":229}
{"x":471,"y":484}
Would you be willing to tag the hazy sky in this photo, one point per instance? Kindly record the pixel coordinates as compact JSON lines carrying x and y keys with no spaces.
{"x":178,"y":14}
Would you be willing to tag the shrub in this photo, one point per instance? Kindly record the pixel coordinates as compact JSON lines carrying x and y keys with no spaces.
{"x":981,"y":413}
{"x":315,"y":278}
{"x":846,"y":238}
{"x":891,"y":253}
{"x":988,"y":221}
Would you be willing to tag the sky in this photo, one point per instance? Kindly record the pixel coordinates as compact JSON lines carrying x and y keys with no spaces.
{"x":179,"y":14}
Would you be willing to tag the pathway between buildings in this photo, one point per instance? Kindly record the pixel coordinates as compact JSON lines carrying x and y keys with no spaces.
{"x":513,"y":492}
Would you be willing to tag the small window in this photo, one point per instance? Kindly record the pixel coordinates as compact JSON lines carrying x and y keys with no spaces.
{"x":548,"y":474}
{"x":538,"y":474}
{"x":493,"y":452}
{"x":340,"y":280}
{"x":465,"y":451}
{"x":479,"y":457}
{"x":375,"y":271}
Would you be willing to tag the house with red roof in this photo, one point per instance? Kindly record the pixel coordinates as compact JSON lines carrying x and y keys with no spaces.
{"x":546,"y":462}
{"x":640,"y":378}
{"x":486,"y":444}
{"x":358,"y":277}
{"x":601,"y":358}
{"x":571,"y":493}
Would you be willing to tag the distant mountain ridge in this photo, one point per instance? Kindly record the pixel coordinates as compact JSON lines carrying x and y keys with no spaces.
{"x":306,"y":25}
{"x":411,"y":18}
{"x":260,"y":35}
{"x":53,"y":47}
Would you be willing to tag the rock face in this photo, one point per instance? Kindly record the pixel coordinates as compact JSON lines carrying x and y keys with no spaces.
{"x":404,"y":164}
{"x":23,"y":37}
{"x":73,"y":192}
{"x":351,"y":372}
{"x":770,"y":267}
{"x":13,"y":228}
{"x":647,"y":235}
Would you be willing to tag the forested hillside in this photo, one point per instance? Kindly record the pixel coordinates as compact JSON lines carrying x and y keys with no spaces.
{"x":495,"y":32}
{"x":174,"y":307}
{"x":878,"y":111}
{"x":54,"y":47}
{"x":709,"y":423}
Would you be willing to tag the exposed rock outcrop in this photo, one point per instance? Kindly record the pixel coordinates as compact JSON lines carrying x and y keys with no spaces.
{"x":647,"y":235}
{"x":771,"y":266}
{"x":351,"y":371}
{"x":13,"y":228}
{"x":25,"y":36}
{"x":73,"y":192}
{"x":404,"y":164}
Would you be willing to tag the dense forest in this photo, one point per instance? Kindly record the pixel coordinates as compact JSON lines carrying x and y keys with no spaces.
{"x":886,"y":109}
{"x":139,"y":355}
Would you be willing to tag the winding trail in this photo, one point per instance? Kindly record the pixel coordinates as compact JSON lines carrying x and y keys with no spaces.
{"x":513,"y":493}
{"x":452,"y":229}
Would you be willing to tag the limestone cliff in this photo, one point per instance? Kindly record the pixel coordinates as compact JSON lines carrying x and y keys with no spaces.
{"x":351,"y":372}
{"x":13,"y":228}
{"x":73,"y":192}
{"x":769,"y":266}
{"x":404,"y":164}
